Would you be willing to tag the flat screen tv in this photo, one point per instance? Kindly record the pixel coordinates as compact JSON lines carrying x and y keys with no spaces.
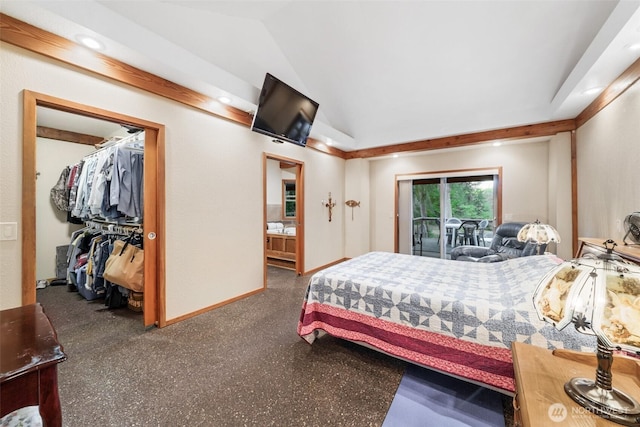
{"x":283,"y":113}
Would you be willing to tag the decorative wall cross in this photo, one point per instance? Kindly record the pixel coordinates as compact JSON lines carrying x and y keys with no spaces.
{"x":330,"y":205}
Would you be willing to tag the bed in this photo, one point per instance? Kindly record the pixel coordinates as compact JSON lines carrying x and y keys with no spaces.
{"x":455,"y":317}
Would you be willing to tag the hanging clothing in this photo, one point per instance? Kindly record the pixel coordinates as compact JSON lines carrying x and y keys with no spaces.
{"x":126,"y":184}
{"x":59,"y":192}
{"x":88,"y":252}
{"x":107,"y":184}
{"x":96,"y":193}
{"x":104,"y":190}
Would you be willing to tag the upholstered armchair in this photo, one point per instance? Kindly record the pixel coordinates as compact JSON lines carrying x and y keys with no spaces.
{"x":504,"y":245}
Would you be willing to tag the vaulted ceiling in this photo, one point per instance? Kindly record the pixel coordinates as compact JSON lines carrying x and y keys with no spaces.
{"x":384,"y":72}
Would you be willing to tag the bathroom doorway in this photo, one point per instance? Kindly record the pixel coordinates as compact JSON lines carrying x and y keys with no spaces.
{"x":283,"y":189}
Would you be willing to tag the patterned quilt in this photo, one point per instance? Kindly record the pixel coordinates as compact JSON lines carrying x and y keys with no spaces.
{"x":456,"y":317}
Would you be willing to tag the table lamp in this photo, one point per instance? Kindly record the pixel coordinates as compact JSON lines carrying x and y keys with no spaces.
{"x":540,"y":234}
{"x":600,"y":296}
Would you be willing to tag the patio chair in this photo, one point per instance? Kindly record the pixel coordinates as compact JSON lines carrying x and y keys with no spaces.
{"x":481,"y":229}
{"x":469,"y":234}
{"x":452,"y":225}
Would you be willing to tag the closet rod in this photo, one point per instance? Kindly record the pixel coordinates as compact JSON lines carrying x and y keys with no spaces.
{"x":110,"y":227}
{"x":126,"y":140}
{"x":118,"y":142}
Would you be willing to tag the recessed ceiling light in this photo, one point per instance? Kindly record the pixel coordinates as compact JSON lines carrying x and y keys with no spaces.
{"x":592,"y":91}
{"x":497,"y":144}
{"x":90,"y":42}
{"x":633,"y":46}
{"x":224,"y":99}
{"x":395,"y":156}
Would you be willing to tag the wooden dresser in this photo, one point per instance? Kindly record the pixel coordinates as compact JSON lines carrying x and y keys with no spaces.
{"x":29,"y":356}
{"x":630,"y":253}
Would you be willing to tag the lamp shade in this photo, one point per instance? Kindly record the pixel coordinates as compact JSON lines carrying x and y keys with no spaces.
{"x":562,"y":292}
{"x":539,"y":233}
{"x":616,"y":317}
{"x":598,"y":296}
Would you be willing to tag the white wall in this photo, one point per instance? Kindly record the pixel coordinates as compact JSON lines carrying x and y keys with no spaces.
{"x":356,"y":220}
{"x":214,"y":199}
{"x":52,"y":228}
{"x":324,"y":239}
{"x":275,"y":175}
{"x":524,"y":191}
{"x":608,"y":163}
{"x":274,"y":182}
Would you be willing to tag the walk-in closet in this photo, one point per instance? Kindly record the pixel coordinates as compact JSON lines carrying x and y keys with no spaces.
{"x":90,"y":210}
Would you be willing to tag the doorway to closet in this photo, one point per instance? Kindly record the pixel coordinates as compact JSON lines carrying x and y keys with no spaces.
{"x":36,"y":105}
{"x":283,"y":188}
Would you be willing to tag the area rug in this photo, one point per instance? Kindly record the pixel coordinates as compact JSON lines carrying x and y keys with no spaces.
{"x":428,"y":398}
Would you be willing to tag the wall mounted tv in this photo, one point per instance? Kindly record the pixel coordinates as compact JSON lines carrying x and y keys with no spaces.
{"x":284,"y":113}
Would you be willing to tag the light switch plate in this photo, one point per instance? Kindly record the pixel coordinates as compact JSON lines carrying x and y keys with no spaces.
{"x":8,"y":231}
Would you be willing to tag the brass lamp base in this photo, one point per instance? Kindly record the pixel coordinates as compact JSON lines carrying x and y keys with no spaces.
{"x":612,"y":405}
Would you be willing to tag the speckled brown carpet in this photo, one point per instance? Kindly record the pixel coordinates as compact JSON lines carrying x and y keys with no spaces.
{"x":239,"y":365}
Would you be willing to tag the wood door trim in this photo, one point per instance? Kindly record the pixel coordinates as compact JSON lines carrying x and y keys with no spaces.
{"x":300,"y":219}
{"x":154,"y":205}
{"x":299,"y":211}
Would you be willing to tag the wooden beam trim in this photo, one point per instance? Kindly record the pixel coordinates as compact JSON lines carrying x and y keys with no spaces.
{"x":574,"y":192}
{"x":34,"y":39}
{"x":624,"y":81}
{"x":26,"y":36}
{"x":324,"y":148}
{"x":526,"y":131}
{"x":65,"y":135}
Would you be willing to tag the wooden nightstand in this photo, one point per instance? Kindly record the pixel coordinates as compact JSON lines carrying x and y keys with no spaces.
{"x":540,"y":376}
{"x":630,"y":253}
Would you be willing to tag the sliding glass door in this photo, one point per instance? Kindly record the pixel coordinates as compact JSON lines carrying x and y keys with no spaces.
{"x":426,"y":217}
{"x":436,"y":214}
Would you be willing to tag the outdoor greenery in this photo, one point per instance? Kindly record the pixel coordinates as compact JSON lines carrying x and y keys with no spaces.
{"x":467,"y":200}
